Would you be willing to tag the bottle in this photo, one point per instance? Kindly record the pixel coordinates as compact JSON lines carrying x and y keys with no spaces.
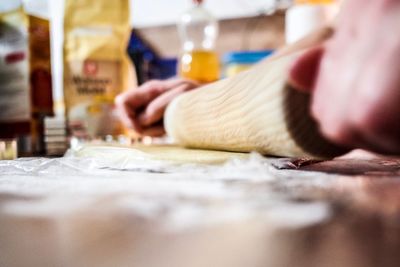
{"x":39,"y":70}
{"x":15,"y":100}
{"x":198,"y":30}
{"x":306,"y":16}
{"x":25,"y":76}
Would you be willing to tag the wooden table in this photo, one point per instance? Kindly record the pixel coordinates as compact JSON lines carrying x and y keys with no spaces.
{"x":255,"y":212}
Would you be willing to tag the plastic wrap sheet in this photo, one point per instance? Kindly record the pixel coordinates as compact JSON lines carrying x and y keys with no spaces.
{"x":112,"y":209}
{"x":150,"y":187}
{"x":118,"y":209}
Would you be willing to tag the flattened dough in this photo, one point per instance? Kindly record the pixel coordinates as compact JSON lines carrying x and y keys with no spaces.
{"x":169,"y":153}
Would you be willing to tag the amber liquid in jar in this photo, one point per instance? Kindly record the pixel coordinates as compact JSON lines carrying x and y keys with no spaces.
{"x":200,"y":65}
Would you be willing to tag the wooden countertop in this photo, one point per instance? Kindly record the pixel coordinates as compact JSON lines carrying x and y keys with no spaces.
{"x":247,"y":212}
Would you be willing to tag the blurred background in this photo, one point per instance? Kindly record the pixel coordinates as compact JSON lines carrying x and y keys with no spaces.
{"x":67,"y":49}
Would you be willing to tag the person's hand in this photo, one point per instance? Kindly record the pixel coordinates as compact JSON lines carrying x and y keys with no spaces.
{"x":354,"y":78}
{"x":142,"y":108}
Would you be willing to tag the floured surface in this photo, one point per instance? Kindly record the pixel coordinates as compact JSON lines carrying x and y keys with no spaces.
{"x":160,"y":153}
{"x":118,"y":211}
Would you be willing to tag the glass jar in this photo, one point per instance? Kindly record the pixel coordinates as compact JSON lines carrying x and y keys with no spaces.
{"x":198,"y":30}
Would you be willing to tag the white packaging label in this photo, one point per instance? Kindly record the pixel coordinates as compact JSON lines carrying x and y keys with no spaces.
{"x":14,"y":73}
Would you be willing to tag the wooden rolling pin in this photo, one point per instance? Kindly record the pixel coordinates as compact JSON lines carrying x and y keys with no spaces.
{"x":253,"y":111}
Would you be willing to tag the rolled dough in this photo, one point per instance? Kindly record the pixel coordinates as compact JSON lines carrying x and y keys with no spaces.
{"x":167,"y":153}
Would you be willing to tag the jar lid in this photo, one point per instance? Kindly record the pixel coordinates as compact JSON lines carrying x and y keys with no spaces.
{"x":246,"y":57}
{"x":10,"y":5}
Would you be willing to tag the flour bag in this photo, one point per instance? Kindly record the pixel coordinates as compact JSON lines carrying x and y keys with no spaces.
{"x":96,"y":65}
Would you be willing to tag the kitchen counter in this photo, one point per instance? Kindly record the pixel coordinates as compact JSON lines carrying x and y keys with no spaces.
{"x":256,"y":211}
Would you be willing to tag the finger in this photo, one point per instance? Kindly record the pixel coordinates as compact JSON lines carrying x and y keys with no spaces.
{"x":376,"y":112}
{"x":303,"y":71}
{"x":175,"y":82}
{"x":155,"y":110}
{"x":134,"y":99}
{"x":155,"y":131}
{"x":141,"y":96}
{"x":125,"y":114}
{"x":379,"y":144}
{"x":341,"y":133}
{"x":346,"y":133}
{"x":130,"y":101}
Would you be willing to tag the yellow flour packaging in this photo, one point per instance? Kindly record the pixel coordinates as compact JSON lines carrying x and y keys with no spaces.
{"x":96,"y":65}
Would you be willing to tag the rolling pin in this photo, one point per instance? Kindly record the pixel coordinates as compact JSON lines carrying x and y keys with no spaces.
{"x":253,"y":111}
